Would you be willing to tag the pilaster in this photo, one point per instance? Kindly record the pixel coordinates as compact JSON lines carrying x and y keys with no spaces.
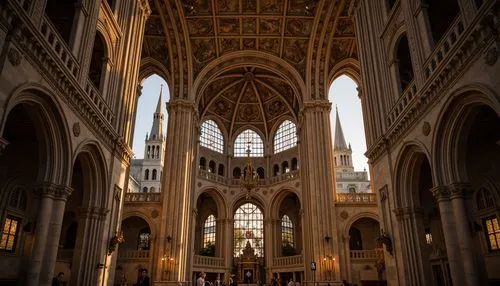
{"x":178,"y":189}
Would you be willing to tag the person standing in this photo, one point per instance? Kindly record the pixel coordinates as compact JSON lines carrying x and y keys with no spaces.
{"x":291,"y":283}
{"x":201,"y":279}
{"x":143,"y":280}
{"x":58,"y":280}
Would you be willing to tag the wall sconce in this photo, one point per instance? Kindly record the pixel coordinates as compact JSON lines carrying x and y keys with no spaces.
{"x":167,"y":261}
{"x":327,"y":238}
{"x":169,"y":238}
{"x":329,"y":261}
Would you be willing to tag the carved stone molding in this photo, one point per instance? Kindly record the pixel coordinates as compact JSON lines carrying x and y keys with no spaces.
{"x":441,"y":193}
{"x":14,"y":57}
{"x":62,"y":193}
{"x":460,"y":190}
{"x":46,"y":190}
{"x":426,"y":128}
{"x":76,"y":129}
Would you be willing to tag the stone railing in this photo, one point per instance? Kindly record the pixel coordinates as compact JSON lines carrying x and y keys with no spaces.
{"x":236,"y":182}
{"x":403,"y":102}
{"x":96,"y":98}
{"x":58,"y":46}
{"x":354,"y":176}
{"x":443,"y":47}
{"x":133,"y":254}
{"x":296,"y":260}
{"x":357,"y":198}
{"x":207,"y":261}
{"x":142,"y":197}
{"x":363,"y":255}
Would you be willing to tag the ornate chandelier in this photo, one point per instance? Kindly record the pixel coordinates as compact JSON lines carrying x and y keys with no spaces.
{"x":250,"y":178}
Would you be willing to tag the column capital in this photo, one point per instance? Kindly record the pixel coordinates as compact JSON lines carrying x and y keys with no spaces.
{"x":46,"y":190}
{"x":316,"y":105}
{"x":63,"y":192}
{"x":441,"y":193}
{"x":460,"y":190}
{"x":181,"y":105}
{"x":3,"y":145}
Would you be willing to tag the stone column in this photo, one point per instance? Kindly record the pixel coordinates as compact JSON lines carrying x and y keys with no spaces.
{"x":46,"y":193}
{"x":228,"y":254}
{"x":54,"y":234}
{"x":459,"y":194}
{"x":317,"y":185}
{"x":178,"y":186}
{"x":442,"y":195}
{"x":270,"y":248}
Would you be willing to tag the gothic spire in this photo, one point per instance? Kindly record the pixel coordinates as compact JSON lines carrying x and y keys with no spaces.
{"x":339,"y":143}
{"x":157,"y":128}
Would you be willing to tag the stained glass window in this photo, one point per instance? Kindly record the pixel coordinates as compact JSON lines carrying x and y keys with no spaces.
{"x":244,"y":140}
{"x":287,"y":236}
{"x":286,"y":136}
{"x":248,"y":229}
{"x":493,"y":233}
{"x":209,"y":230}
{"x":9,"y":234}
{"x":211,"y":136}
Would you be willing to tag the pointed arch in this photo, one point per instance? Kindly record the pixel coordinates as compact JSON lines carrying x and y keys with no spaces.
{"x":285,"y":136}
{"x":241,"y":144}
{"x":211,"y":136}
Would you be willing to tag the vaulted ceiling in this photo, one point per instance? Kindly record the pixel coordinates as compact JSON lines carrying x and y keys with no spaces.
{"x":311,"y":36}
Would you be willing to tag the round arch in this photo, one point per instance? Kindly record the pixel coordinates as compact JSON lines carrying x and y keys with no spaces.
{"x":108,"y":42}
{"x":277,"y":124}
{"x":151,"y":224}
{"x":54,"y":130}
{"x":411,"y":155}
{"x":392,"y":49}
{"x":221,"y":127}
{"x":278,"y":198}
{"x":449,"y":146}
{"x":93,"y":163}
{"x":356,"y":217}
{"x":217,"y":196}
{"x":241,"y":199}
{"x":249,"y":58}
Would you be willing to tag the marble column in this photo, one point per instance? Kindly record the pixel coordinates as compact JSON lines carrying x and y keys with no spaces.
{"x":46,"y":193}
{"x":54,"y":234}
{"x":317,"y":186}
{"x":178,"y":186}
{"x":442,"y":195}
{"x":459,"y":194}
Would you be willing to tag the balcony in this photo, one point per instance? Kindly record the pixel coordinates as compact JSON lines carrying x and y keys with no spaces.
{"x":232,"y":182}
{"x":208,"y":262}
{"x":366,"y":255}
{"x":142,"y":197}
{"x":133,"y":255}
{"x":357,"y":198}
{"x":289,"y":261}
{"x":403,"y":102}
{"x":98,"y":101}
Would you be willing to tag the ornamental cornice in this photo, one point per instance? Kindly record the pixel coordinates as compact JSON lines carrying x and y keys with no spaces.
{"x":473,"y":41}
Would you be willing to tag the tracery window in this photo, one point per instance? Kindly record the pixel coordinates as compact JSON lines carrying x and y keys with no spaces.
{"x":485,"y":207}
{"x":209,"y":230}
{"x":286,"y":136}
{"x":9,"y":234}
{"x":248,"y":228}
{"x":143,"y":240}
{"x":287,"y":231}
{"x":244,"y":140}
{"x":211,"y":136}
{"x":493,"y":233}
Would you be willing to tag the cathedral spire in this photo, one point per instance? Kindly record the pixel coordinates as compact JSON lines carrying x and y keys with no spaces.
{"x":339,"y":143}
{"x":157,"y":128}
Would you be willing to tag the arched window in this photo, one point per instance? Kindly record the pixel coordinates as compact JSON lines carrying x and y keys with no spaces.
{"x":97,"y":62}
{"x":157,"y":152}
{"x":403,"y":60}
{"x":153,"y":175}
{"x":61,"y":14}
{"x":211,"y":136}
{"x":485,"y":206}
{"x":286,"y":136}
{"x":236,"y":173}
{"x":143,"y":239}
{"x":439,"y":21}
{"x":18,"y":199}
{"x":248,"y":229}
{"x":209,"y":230}
{"x":211,"y":166}
{"x":152,"y":189}
{"x":149,"y":152}
{"x":244,"y":140}
{"x":260,"y":172}
{"x":145,"y":189}
{"x":284,"y":167}
{"x":220,"y":171}
{"x":355,"y":242}
{"x":146,"y":174}
{"x":276,"y":170}
{"x":203,"y":163}
{"x":484,"y":200}
{"x":287,"y":232}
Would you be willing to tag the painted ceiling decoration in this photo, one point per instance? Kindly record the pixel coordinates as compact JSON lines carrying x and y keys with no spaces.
{"x":311,"y":36}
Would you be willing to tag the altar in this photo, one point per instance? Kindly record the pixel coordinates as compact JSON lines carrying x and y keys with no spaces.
{"x":249,"y":267}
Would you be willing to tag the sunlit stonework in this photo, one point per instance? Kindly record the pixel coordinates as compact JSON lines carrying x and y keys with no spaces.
{"x":77,"y":209}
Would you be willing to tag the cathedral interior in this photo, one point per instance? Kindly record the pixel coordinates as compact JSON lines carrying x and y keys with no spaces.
{"x":246,"y":181}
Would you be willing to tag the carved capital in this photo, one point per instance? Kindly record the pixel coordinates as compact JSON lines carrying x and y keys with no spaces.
{"x":441,"y":193}
{"x":3,"y":145}
{"x":62,"y":193}
{"x":316,"y":106}
{"x":460,"y":190}
{"x":46,"y":190}
{"x":177,"y":105}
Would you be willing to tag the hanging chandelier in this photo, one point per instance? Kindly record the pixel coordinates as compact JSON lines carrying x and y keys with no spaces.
{"x":250,"y":178}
